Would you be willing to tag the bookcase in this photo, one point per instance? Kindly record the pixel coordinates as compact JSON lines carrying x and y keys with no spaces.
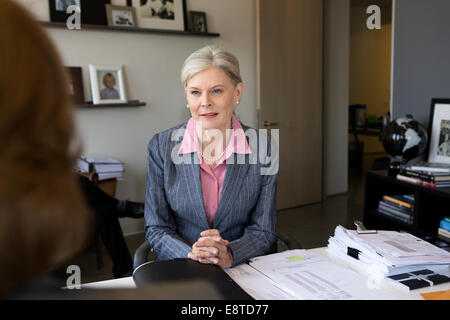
{"x":430,"y":205}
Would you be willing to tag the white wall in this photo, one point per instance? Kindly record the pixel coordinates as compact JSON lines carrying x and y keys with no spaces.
{"x":336,"y":95}
{"x":152,"y":66}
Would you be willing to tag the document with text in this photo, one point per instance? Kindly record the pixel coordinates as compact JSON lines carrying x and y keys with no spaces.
{"x":299,"y":274}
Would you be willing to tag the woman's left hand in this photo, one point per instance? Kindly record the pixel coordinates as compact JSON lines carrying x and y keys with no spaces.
{"x":211,"y":248}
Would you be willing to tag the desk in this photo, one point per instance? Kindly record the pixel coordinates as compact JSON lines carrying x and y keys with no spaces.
{"x":128,"y":283}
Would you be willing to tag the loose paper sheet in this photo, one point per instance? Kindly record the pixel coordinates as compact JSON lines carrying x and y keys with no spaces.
{"x":299,"y":274}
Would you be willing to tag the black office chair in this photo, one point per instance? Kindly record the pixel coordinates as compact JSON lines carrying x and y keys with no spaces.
{"x":283,"y":239}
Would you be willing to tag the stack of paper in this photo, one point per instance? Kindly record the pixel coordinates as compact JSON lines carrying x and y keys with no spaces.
{"x":105,"y":167}
{"x":386,"y":253}
{"x":300,"y":274}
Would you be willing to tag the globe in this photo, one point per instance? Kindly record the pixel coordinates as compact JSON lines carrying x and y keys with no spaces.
{"x":404,"y":139}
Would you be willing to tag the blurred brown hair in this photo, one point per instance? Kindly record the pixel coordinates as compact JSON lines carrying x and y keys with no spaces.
{"x":43,"y":219}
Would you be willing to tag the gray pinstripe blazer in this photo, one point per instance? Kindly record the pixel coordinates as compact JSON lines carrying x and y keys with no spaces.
{"x":174,"y":209}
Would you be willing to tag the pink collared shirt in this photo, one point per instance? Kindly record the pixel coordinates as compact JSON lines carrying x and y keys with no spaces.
{"x":212,"y":179}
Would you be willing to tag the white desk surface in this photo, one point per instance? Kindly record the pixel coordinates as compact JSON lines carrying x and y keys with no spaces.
{"x":127,"y":283}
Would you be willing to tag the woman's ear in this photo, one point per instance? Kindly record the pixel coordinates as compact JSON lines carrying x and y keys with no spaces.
{"x":238,"y":91}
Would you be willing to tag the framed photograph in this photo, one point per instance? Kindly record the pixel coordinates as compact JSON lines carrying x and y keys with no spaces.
{"x":107,"y":84}
{"x":198,"y":21}
{"x":92,"y":12}
{"x":58,"y":9}
{"x":121,"y":16}
{"x":160,"y":14}
{"x":76,"y":91}
{"x":439,"y":131}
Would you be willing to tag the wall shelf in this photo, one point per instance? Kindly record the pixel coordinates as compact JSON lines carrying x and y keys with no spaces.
{"x":131,"y":103}
{"x":62,"y":25}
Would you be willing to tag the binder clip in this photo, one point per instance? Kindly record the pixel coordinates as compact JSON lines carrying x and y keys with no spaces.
{"x":360,"y":229}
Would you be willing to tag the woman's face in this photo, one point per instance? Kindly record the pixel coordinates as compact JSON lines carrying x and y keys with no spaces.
{"x":110,"y":82}
{"x":211,"y":98}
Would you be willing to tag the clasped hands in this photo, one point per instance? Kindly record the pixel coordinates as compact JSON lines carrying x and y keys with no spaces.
{"x":211,"y":248}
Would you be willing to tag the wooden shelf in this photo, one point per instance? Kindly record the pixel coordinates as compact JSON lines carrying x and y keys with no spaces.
{"x":109,"y":105}
{"x":62,"y":25}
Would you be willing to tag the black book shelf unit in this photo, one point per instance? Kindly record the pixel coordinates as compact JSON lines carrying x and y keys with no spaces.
{"x":430,"y":205}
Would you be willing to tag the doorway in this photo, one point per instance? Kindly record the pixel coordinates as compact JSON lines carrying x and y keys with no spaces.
{"x":290,"y":67}
{"x":369,"y":92}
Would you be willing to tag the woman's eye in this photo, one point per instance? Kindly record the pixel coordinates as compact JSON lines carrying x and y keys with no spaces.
{"x":195,"y":92}
{"x":217,"y":91}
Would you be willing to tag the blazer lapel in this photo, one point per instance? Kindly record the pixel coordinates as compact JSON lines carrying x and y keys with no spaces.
{"x":231,"y":185}
{"x":191,"y":175}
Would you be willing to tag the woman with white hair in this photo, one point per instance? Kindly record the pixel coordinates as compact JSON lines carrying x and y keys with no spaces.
{"x":205,"y":198}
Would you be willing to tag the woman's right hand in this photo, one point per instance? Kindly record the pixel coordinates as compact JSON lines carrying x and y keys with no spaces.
{"x":211,"y":248}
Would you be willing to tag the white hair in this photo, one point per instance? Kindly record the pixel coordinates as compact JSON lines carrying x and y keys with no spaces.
{"x":208,"y":57}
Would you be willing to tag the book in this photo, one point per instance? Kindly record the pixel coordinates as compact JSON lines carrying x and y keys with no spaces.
{"x":427,"y":176}
{"x":110,"y":175}
{"x":446,"y":219}
{"x":444,"y":232}
{"x":416,"y":181}
{"x":395,"y":215}
{"x":430,"y":167}
{"x":394,"y":205}
{"x":395,"y":211}
{"x":99,"y":164}
{"x":445,"y":225}
{"x":103,"y":168}
{"x":401,"y":200}
{"x":442,"y":235}
{"x":442,"y":185}
{"x":99,"y":159}
{"x":83,"y":166}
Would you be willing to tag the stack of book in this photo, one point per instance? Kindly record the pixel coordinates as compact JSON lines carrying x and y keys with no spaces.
{"x":427,"y":174}
{"x":400,"y":207}
{"x":444,"y":230}
{"x":105,"y":167}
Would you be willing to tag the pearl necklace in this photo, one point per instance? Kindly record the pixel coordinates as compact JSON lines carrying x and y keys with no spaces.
{"x":215,"y":159}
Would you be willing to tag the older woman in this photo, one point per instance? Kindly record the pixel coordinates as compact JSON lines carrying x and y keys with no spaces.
{"x":206,"y":199}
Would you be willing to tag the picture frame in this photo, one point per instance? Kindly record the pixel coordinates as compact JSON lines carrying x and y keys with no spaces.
{"x":107,"y":84}
{"x":121,"y":16}
{"x":57,"y":14}
{"x":75,"y":89}
{"x":439,"y":131}
{"x":92,"y":12}
{"x":198,"y":21}
{"x":160,"y":14}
